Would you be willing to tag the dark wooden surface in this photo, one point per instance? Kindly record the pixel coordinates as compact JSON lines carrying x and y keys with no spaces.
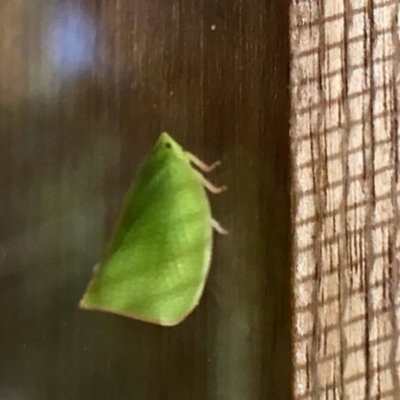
{"x":85,"y":89}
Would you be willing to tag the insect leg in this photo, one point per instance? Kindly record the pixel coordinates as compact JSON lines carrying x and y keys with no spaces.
{"x":201,"y":164}
{"x":216,"y":225}
{"x":211,"y":187}
{"x":96,"y":268}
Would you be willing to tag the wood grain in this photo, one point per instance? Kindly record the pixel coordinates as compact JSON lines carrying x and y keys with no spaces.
{"x":86,"y":87}
{"x":345,"y":147}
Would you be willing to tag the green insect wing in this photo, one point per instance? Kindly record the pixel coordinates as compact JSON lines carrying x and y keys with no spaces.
{"x":158,"y":259}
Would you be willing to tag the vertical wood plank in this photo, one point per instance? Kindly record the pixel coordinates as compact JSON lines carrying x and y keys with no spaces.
{"x":345,"y":146}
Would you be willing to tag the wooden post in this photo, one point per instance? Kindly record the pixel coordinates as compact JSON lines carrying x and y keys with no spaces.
{"x":345,"y":149}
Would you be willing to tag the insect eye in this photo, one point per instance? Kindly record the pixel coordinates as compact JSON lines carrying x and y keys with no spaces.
{"x":168,"y":145}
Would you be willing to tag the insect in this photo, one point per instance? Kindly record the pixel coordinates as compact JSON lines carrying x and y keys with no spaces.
{"x":159,"y":255}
